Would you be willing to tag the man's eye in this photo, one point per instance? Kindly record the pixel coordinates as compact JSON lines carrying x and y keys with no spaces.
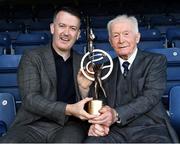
{"x":74,"y":28}
{"x":126,"y":34}
{"x":115,"y":36}
{"x":61,"y":25}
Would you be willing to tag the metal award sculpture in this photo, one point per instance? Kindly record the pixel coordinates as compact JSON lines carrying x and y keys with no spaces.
{"x":92,"y":64}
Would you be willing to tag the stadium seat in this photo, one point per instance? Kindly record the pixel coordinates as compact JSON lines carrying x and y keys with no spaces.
{"x":3,"y":128}
{"x":8,"y":76}
{"x":151,"y":38}
{"x":82,"y":37}
{"x":173,"y":37}
{"x":5,"y":43}
{"x":104,"y":46}
{"x":29,"y":41}
{"x":1,"y":50}
{"x":5,"y":40}
{"x":7,"y":108}
{"x":13,"y":29}
{"x":80,"y":48}
{"x":101,"y":35}
{"x":174,"y":110}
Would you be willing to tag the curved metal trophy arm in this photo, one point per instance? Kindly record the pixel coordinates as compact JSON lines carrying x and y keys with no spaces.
{"x":92,"y":64}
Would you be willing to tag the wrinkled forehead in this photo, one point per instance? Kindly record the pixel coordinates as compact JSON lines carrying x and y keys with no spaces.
{"x":122,"y":26}
{"x":123,"y":23}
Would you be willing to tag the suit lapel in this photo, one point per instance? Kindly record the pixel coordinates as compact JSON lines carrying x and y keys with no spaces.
{"x":76,"y":67}
{"x":136,"y":71}
{"x":49,"y":64}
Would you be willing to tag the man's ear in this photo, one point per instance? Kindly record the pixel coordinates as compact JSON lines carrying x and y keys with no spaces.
{"x":138,"y":36}
{"x":110,"y":40}
{"x":52,"y":28}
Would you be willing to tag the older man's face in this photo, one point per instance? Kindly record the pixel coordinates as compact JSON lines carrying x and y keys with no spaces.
{"x":123,"y":38}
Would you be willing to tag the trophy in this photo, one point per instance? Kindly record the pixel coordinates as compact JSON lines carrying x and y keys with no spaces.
{"x":96,"y":65}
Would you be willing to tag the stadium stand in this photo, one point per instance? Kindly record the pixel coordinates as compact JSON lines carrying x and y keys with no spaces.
{"x":8,"y":76}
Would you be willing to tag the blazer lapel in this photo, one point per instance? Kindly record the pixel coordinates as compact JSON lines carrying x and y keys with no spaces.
{"x":135,"y":70}
{"x":49,"y":64}
{"x":76,"y":68}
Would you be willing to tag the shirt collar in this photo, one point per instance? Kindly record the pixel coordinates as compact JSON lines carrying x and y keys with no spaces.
{"x":130,"y":60}
{"x":57,"y":56}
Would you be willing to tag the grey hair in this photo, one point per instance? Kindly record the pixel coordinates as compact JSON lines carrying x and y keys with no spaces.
{"x":123,"y":17}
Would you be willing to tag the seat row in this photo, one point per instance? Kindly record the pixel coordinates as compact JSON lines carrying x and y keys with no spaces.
{"x":8,"y":110}
{"x":22,"y":42}
{"x":149,"y":38}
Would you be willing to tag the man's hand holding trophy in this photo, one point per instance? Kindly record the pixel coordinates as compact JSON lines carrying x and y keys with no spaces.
{"x":96,"y":65}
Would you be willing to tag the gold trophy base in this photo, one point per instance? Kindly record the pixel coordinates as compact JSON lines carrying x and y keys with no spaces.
{"x":94,"y":106}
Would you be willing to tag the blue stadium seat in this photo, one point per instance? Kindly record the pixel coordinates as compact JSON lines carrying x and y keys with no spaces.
{"x":5,"y":43}
{"x":80,"y":48}
{"x":164,"y":28}
{"x":13,"y":29}
{"x":151,"y":38}
{"x":7,"y":108}
{"x":1,"y":50}
{"x":174,"y":110}
{"x":101,"y":35}
{"x":29,"y":41}
{"x":5,"y":40}
{"x":82,"y":37}
{"x":3,"y":128}
{"x":173,"y":37}
{"x":104,"y":46}
{"x":8,"y":76}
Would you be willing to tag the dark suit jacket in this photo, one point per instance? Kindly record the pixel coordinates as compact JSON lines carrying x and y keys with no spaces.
{"x":37,"y":83}
{"x":141,"y":103}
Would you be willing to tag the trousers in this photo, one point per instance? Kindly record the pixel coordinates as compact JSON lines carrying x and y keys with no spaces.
{"x":47,"y":132}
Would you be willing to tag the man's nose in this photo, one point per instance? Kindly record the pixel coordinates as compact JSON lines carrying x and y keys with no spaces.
{"x":121,"y":38}
{"x":66,"y":31}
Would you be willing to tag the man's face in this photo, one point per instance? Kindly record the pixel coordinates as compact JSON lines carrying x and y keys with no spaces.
{"x":123,"y":38}
{"x":65,"y":30}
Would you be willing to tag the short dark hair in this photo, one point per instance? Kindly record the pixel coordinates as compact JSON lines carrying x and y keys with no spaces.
{"x":71,"y":10}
